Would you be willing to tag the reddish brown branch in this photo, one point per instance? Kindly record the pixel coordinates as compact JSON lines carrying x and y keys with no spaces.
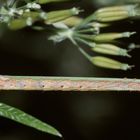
{"x":68,"y":84}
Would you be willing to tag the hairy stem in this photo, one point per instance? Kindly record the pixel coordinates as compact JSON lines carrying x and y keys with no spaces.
{"x":68,"y":83}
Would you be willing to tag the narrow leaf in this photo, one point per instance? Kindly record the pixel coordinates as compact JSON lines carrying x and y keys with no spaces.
{"x":26,"y":119}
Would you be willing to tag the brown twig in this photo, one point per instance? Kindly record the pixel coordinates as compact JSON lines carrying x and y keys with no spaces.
{"x":67,"y":83}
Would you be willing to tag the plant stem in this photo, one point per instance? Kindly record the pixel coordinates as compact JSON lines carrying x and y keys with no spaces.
{"x":68,"y":83}
{"x":85,"y":21}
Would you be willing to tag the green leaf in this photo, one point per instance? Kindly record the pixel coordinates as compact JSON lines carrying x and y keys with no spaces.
{"x":26,"y":119}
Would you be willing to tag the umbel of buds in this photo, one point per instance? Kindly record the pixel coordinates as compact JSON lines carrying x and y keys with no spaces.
{"x":88,"y":31}
{"x":18,"y":16}
{"x":47,"y":18}
{"x":65,"y":24}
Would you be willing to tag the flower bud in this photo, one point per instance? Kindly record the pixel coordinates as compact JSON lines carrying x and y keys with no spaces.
{"x":72,"y":21}
{"x":115,"y":13}
{"x":99,"y":25}
{"x":49,"y":1}
{"x":36,"y":15}
{"x":56,"y":16}
{"x":27,"y":19}
{"x":105,"y":37}
{"x":105,"y":62}
{"x":17,"y":24}
{"x":31,"y":14}
{"x":133,"y":46}
{"x":109,"y":49}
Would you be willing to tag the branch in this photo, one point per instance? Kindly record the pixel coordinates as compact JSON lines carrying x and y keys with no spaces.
{"x":68,"y":83}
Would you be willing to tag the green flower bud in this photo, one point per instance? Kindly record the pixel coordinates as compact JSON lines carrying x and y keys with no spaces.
{"x":105,"y":62}
{"x":27,"y":19}
{"x":116,"y":13}
{"x":72,"y":21}
{"x":56,"y":16}
{"x":105,"y":37}
{"x":31,"y":14}
{"x":36,"y":15}
{"x":17,"y":24}
{"x":99,"y":25}
{"x":109,"y":49}
{"x":49,"y":1}
{"x":133,"y":46}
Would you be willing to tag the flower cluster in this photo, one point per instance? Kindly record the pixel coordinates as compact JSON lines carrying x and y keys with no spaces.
{"x":68,"y":25}
{"x":10,"y":13}
{"x":88,"y":31}
{"x":21,"y":14}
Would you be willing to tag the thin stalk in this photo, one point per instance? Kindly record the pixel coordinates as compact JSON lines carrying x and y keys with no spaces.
{"x":85,"y":36}
{"x":84,"y":41}
{"x":85,"y":54}
{"x":68,"y":83}
{"x":89,"y":30}
{"x":85,"y":21}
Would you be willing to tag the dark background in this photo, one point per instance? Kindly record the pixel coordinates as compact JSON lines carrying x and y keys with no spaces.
{"x":77,"y":115}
